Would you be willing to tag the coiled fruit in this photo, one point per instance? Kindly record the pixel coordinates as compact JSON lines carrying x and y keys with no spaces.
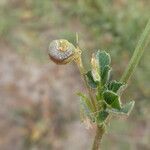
{"x":61,"y":51}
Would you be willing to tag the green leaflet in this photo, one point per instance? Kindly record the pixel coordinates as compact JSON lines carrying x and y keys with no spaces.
{"x":125,"y":110}
{"x":95,"y":68}
{"x":100,"y":69}
{"x":86,"y":101}
{"x":104,"y":59}
{"x":115,"y":86}
{"x":84,"y":110}
{"x":112,"y":99}
{"x":90,"y":80}
{"x":105,"y":74}
{"x":104,"y":65}
{"x":102,"y":116}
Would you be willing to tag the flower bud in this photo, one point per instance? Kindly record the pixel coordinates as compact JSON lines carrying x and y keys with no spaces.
{"x":61,"y":51}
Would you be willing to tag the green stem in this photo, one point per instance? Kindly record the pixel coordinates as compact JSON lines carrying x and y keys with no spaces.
{"x":98,"y":137}
{"x":142,"y":43}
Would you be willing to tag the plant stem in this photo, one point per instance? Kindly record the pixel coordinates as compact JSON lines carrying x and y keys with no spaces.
{"x":82,"y":72}
{"x":142,"y":43}
{"x":100,"y":129}
{"x":98,"y":137}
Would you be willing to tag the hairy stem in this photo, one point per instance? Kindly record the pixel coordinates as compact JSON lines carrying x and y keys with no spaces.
{"x":98,"y":138}
{"x":142,"y":43}
{"x":82,"y":72}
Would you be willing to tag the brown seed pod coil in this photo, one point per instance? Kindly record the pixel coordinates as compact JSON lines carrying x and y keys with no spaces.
{"x":61,"y":51}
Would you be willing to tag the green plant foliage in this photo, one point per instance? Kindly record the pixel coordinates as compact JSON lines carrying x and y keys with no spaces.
{"x":115,"y":86}
{"x":105,"y":74}
{"x":85,"y":99}
{"x":112,"y":99}
{"x":115,"y":26}
{"x":90,"y":80}
{"x":104,"y":59}
{"x":104,"y":63}
{"x":84,"y":109}
{"x":102,"y":116}
{"x":108,"y":92}
{"x":104,"y":98}
{"x":125,"y":110}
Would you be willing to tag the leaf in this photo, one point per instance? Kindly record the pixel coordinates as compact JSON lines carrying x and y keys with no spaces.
{"x":125,"y":110}
{"x":121,"y":89}
{"x":95,"y":68}
{"x":82,"y":113}
{"x":86,"y":100}
{"x":104,"y":65}
{"x":112,"y":99}
{"x":90,"y":80}
{"x":102,"y":116}
{"x":105,"y":75}
{"x":95,"y":75}
{"x":84,"y":110}
{"x":115,"y":86}
{"x":104,"y":59}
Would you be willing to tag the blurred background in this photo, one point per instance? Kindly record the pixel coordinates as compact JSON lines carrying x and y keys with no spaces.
{"x":39,"y":109}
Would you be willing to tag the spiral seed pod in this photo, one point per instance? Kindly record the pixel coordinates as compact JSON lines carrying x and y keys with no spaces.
{"x":61,"y":51}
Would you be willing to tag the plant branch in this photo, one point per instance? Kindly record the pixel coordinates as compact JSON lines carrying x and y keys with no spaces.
{"x":82,"y":72}
{"x":100,"y":129}
{"x":142,"y":43}
{"x":98,"y":137}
